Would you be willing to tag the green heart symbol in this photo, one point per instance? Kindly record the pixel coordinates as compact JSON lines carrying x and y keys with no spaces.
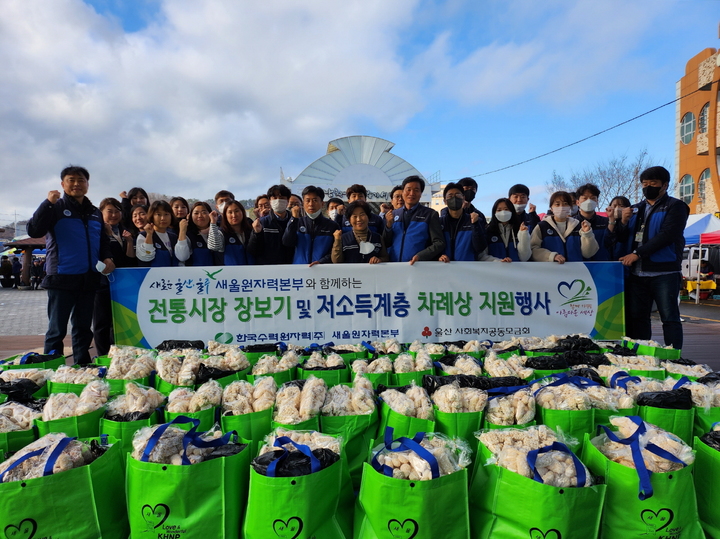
{"x":536,"y":533}
{"x":155,"y":516}
{"x":224,"y":338}
{"x":25,"y":530}
{"x":659,"y":520}
{"x":288,"y":530}
{"x":406,"y":529}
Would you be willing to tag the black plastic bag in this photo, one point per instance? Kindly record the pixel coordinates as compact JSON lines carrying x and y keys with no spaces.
{"x":130,"y":416}
{"x":712,"y":439}
{"x":620,"y":350}
{"x":227,"y":450}
{"x":683,"y":361}
{"x":206,"y":373}
{"x":711,"y":378}
{"x":97,"y":449}
{"x":335,"y":368}
{"x":517,"y":348}
{"x":675,"y":399}
{"x":402,"y":389}
{"x":175,"y":344}
{"x":40,"y":358}
{"x":35,"y":404}
{"x":296,"y":383}
{"x":546,"y":363}
{"x":506,"y":381}
{"x":459,"y":344}
{"x":588,"y":373}
{"x":578,"y":357}
{"x":295,"y":464}
{"x":260,"y":348}
{"x":576,"y":342}
{"x":20,"y":390}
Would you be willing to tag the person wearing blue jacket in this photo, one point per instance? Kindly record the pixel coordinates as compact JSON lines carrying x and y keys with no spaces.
{"x":356,"y":192}
{"x":204,"y":239}
{"x":587,"y":201}
{"x":561,"y":238}
{"x":78,"y":254}
{"x":413,"y":232}
{"x":267,"y":232}
{"x":155,"y":247}
{"x":614,"y":212}
{"x":464,"y":233}
{"x":236,"y":229}
{"x":652,"y":230}
{"x":312,"y":235}
{"x":508,"y":237}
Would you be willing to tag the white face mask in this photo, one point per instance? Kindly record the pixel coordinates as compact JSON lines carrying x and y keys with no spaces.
{"x":221,"y":208}
{"x":315,"y":215}
{"x":332,"y":214}
{"x":519,"y":208}
{"x":366,"y":247}
{"x":279,"y":205}
{"x":588,"y":205}
{"x":562,"y":211}
{"x":503,"y":216}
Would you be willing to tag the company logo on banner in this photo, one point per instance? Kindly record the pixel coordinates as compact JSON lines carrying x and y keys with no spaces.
{"x":429,"y":301}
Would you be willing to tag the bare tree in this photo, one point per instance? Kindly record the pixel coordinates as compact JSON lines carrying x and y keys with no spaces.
{"x":618,"y":176}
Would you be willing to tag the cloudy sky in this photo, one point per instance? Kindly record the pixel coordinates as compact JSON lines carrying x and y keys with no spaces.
{"x":186,"y":97}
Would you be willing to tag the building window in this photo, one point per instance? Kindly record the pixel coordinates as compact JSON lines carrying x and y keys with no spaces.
{"x":702,"y":180}
{"x":687,"y":189}
{"x":703,"y":119}
{"x":687,"y":128}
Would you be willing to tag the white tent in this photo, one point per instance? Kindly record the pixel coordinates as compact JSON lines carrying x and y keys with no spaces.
{"x":698,"y":225}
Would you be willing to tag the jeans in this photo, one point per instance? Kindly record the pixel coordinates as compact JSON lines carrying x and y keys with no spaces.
{"x":639,"y":295}
{"x":75,"y":306}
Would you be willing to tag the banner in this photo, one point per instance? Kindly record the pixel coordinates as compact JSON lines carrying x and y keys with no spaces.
{"x":429,"y":301}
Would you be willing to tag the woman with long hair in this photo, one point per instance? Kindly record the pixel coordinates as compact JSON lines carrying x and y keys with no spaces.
{"x":137,"y":196}
{"x":236,"y":229}
{"x":201,"y":232}
{"x":156,"y":244}
{"x":508,"y":238}
{"x":360,"y":245}
{"x":180,"y":210}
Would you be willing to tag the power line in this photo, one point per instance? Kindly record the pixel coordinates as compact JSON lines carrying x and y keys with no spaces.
{"x":590,"y":136}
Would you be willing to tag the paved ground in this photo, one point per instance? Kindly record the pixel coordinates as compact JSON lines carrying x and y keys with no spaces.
{"x":23,"y":321}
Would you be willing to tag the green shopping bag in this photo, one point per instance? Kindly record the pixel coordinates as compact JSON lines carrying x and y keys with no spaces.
{"x":707,"y":479}
{"x":388,"y":507}
{"x":402,"y":424}
{"x":253,"y":427}
{"x":166,"y":387}
{"x":124,"y":431}
{"x":309,"y":424}
{"x":602,"y":416}
{"x":704,"y":420}
{"x":460,"y":425}
{"x":303,"y":507}
{"x":573,"y":423}
{"x":60,"y":387}
{"x":679,"y":422}
{"x":21,"y":363}
{"x":188,"y":501}
{"x":357,"y":431}
{"x":207,"y":418}
{"x":280,"y":377}
{"x":658,"y":352}
{"x":507,"y":505}
{"x":16,"y":440}
{"x":404,"y":378}
{"x":234,"y":377}
{"x":82,"y":426}
{"x":117,"y":387}
{"x":83,"y":503}
{"x":639,"y":504}
{"x":332,"y":377}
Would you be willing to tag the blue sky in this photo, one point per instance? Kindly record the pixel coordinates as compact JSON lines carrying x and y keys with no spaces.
{"x":191,"y":96}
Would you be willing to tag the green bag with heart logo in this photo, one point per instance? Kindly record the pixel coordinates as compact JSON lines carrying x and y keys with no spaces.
{"x":508,"y":505}
{"x":190,"y":500}
{"x":641,"y":505}
{"x":389,"y":508}
{"x":82,"y":503}
{"x":303,"y":507}
{"x":707,"y":479}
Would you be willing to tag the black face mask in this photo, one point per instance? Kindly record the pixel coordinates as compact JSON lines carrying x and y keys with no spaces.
{"x":469,"y":195}
{"x":455,"y":203}
{"x":651,"y":192}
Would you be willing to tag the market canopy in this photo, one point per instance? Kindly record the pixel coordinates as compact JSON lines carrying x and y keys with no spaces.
{"x":702,"y":226}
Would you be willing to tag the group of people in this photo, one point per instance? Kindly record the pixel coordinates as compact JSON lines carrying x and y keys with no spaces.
{"x":85,"y":244}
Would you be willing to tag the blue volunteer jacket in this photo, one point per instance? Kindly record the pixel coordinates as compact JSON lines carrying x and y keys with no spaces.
{"x":236,"y":254}
{"x":603,"y":236}
{"x":464,"y":240}
{"x":312,"y":239}
{"x":201,"y":254}
{"x":570,"y":248}
{"x":75,"y":242}
{"x":403,"y":244}
{"x":375,"y":223}
{"x":267,"y":246}
{"x":663,"y":242}
{"x":496,"y":246}
{"x":164,"y":258}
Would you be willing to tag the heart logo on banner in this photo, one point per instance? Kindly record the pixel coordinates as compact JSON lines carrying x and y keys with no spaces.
{"x":25,"y":530}
{"x":405,"y":530}
{"x":571,"y":290}
{"x":536,"y":533}
{"x":288,"y":530}
{"x":155,"y":516}
{"x":657,"y":521}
